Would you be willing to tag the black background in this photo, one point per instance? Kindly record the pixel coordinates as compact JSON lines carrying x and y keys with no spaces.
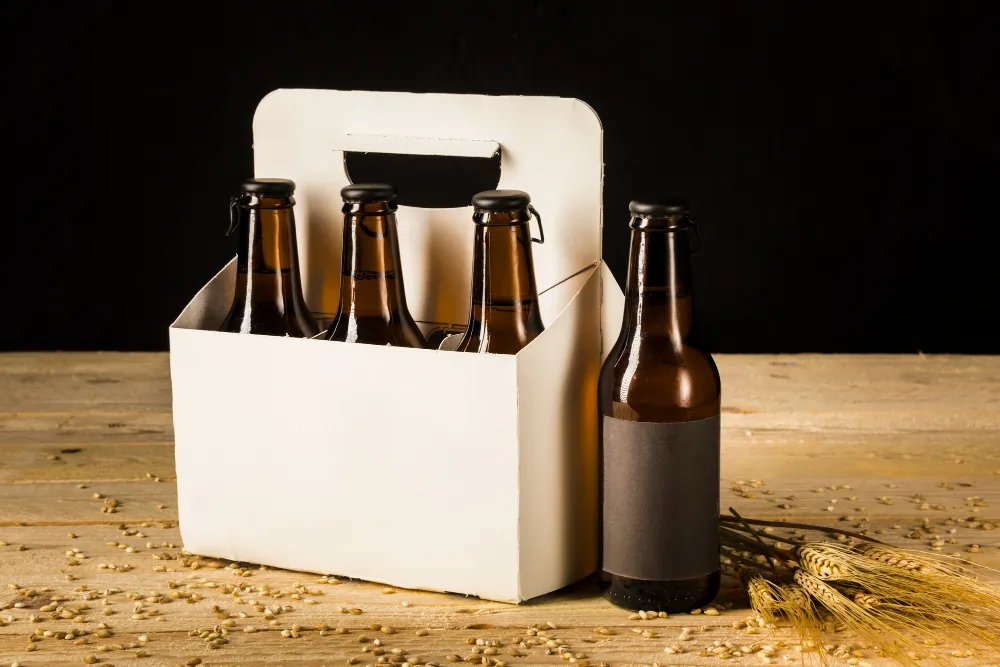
{"x":842,"y":158}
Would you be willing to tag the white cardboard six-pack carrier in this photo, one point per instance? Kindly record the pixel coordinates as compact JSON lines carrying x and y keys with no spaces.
{"x":438,"y":470}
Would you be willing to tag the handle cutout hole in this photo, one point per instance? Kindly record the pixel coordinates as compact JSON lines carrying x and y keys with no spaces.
{"x":426,"y":181}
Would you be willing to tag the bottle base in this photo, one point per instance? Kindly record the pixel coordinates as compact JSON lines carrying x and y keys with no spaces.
{"x":671,"y":597}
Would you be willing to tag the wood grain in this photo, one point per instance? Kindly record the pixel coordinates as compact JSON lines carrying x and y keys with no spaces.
{"x":914,"y":438}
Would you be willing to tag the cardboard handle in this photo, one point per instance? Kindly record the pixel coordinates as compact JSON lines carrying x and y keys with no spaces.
{"x":377,"y":143}
{"x":550,"y":147}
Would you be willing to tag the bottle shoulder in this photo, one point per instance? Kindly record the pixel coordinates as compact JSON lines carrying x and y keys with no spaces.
{"x":653,"y":380}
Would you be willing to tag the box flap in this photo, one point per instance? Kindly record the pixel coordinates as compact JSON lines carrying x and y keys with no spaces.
{"x":210,"y":305}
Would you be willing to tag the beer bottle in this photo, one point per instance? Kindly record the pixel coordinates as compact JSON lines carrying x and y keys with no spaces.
{"x":268,"y":298}
{"x":660,"y":399}
{"x":504,"y":316}
{"x":372,"y":301}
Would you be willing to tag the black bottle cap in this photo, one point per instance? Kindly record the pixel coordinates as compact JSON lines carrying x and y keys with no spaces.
{"x":360,"y":193}
{"x":501,"y":200}
{"x":269,"y":187}
{"x":660,"y":207}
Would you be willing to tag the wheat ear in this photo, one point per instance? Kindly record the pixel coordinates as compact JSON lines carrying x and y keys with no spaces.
{"x":761,"y":594}
{"x":863,"y":599}
{"x":934,"y":589}
{"x":814,"y":558}
{"x":863,"y":622}
{"x":933,"y":584}
{"x":797,"y":606}
{"x":900,"y":559}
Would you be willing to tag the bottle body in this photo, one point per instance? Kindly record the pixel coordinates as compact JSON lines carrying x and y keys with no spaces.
{"x":372,"y":306}
{"x":268,"y":298}
{"x":504,"y":316}
{"x":660,"y":400}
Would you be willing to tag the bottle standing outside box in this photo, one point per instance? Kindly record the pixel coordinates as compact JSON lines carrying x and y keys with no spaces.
{"x":268,"y":297}
{"x":660,"y":399}
{"x":372,"y":300}
{"x":504,"y":316}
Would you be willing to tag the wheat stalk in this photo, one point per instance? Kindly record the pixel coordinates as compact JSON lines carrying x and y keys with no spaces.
{"x":797,"y":606}
{"x":899,"y":600}
{"x":924,"y":580}
{"x":761,"y":593}
{"x":863,"y":622}
{"x":805,"y":526}
{"x":929,"y":593}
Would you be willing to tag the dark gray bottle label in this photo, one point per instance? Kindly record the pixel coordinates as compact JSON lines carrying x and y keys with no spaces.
{"x":661,"y":499}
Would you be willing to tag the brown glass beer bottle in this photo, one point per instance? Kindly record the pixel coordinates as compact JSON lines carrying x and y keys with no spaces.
{"x":268,"y":298}
{"x":372,"y":300}
{"x":660,"y":400}
{"x":504,"y":316}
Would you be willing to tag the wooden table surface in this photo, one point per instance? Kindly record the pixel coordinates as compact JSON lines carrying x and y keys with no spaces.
{"x":811,"y":438}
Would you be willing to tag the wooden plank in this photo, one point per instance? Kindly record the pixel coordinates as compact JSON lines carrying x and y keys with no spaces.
{"x":98,"y":364}
{"x":77,"y":427}
{"x":860,"y":383}
{"x":855,"y":396}
{"x":40,"y":382}
{"x":889,"y":390}
{"x":169,"y":644}
{"x":66,"y":504}
{"x":793,"y":454}
{"x":762,"y":455}
{"x":910,"y":501}
{"x":86,"y":462}
{"x":46,"y":544}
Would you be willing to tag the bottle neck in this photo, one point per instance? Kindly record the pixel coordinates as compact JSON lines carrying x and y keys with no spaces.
{"x":658,"y":293}
{"x":267,"y":254}
{"x":504,"y":315}
{"x":371,"y":284}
